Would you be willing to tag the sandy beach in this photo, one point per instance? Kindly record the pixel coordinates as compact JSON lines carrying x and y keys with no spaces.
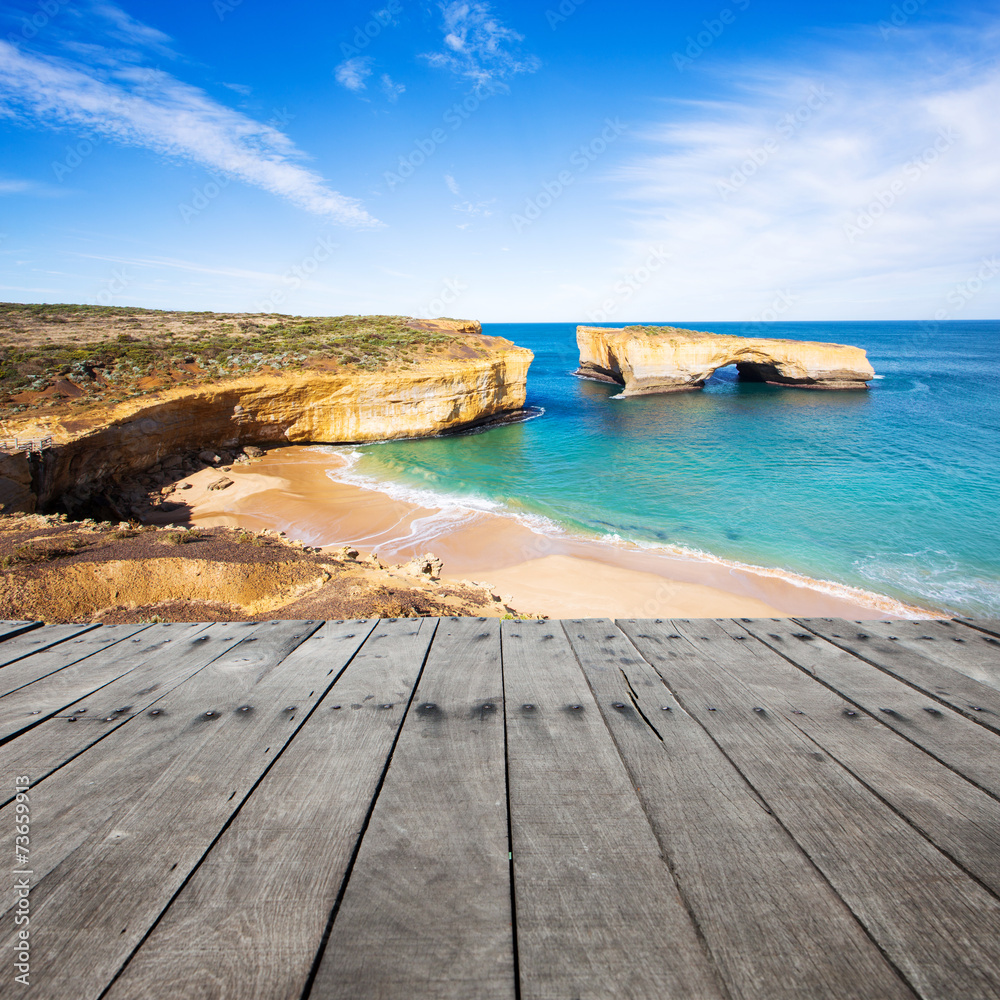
{"x":294,"y":490}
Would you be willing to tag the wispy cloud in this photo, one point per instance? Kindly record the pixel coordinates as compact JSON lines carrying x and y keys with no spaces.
{"x":352,"y":73}
{"x":392,"y":90}
{"x":452,"y":185}
{"x":138,"y":106}
{"x":864,"y":184}
{"x":479,"y":48}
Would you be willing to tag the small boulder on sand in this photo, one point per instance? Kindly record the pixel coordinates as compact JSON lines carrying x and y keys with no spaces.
{"x":220,"y":484}
{"x":426,"y":565}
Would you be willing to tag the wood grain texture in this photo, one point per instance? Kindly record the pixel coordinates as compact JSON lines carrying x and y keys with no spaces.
{"x":54,"y":648}
{"x":35,"y":640}
{"x":756,"y":897}
{"x":598,"y":914}
{"x":427,"y":909}
{"x":989,"y":625}
{"x":938,"y":926}
{"x":948,"y":735}
{"x":974,"y":654}
{"x":96,"y":660}
{"x":950,"y":811}
{"x":159,"y":667}
{"x":252,"y":919}
{"x":78,"y":801}
{"x":191,"y":765}
{"x":916,"y":667}
{"x":10,"y":629}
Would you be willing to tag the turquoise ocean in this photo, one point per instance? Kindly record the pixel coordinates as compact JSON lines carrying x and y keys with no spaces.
{"x":895,"y":490}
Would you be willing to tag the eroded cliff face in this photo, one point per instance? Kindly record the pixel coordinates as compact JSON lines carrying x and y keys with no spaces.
{"x":666,"y":359}
{"x":471,"y":382}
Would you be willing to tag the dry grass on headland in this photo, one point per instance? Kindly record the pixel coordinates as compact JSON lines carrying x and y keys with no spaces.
{"x":72,"y":357}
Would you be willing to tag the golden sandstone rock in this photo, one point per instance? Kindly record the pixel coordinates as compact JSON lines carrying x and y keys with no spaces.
{"x":475,"y":379}
{"x":667,"y":359}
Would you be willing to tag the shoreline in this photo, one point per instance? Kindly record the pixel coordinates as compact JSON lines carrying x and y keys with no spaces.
{"x":308,"y":492}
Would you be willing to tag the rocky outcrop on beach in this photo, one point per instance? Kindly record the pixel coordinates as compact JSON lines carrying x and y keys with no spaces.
{"x":666,"y":359}
{"x":56,"y":570}
{"x":471,"y":380}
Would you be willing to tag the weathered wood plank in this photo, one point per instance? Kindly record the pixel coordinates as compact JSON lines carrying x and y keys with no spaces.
{"x":952,"y":644}
{"x":190,"y":767}
{"x":20,"y":648}
{"x":959,"y":818}
{"x":10,"y":629}
{"x":989,"y":625}
{"x":976,"y":701}
{"x":93,"y":661}
{"x":948,"y":735}
{"x":597,"y":912}
{"x":79,"y":802}
{"x":773,"y":925}
{"x":427,"y":909}
{"x":251,"y":920}
{"x":158,"y":668}
{"x":938,"y":926}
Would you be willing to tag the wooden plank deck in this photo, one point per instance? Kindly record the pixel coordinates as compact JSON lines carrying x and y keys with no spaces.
{"x":745,"y":809}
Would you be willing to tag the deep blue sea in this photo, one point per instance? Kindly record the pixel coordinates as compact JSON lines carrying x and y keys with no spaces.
{"x":895,"y":490}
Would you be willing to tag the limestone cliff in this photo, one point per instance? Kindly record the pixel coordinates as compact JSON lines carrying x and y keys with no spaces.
{"x":666,"y":359}
{"x":472,"y":381}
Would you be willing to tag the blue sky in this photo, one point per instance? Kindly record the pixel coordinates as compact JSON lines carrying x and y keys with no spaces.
{"x":549,"y":161}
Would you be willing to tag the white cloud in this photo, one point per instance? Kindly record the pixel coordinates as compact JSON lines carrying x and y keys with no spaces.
{"x":352,"y":73}
{"x":452,"y":185}
{"x":479,"y":47}
{"x":865,"y":187}
{"x":137,"y":106}
{"x":392,"y":90}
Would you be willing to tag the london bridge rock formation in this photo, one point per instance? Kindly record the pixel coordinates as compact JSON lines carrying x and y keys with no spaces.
{"x":666,"y":359}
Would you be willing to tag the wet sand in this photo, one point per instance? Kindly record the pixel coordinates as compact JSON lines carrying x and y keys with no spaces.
{"x":557,"y":575}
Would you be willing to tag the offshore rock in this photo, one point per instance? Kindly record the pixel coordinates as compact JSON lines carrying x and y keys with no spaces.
{"x":666,"y":359}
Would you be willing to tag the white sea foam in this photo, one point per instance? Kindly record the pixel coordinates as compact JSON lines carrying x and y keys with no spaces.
{"x":452,"y":511}
{"x":935,"y":575}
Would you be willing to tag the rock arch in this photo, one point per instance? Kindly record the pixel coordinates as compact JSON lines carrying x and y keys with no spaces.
{"x":666,"y":359}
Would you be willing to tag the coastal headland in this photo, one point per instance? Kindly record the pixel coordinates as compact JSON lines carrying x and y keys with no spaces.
{"x":647,"y":359}
{"x":113,"y":392}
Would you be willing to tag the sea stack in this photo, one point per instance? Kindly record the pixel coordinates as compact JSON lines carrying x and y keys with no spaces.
{"x":652,"y":359}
